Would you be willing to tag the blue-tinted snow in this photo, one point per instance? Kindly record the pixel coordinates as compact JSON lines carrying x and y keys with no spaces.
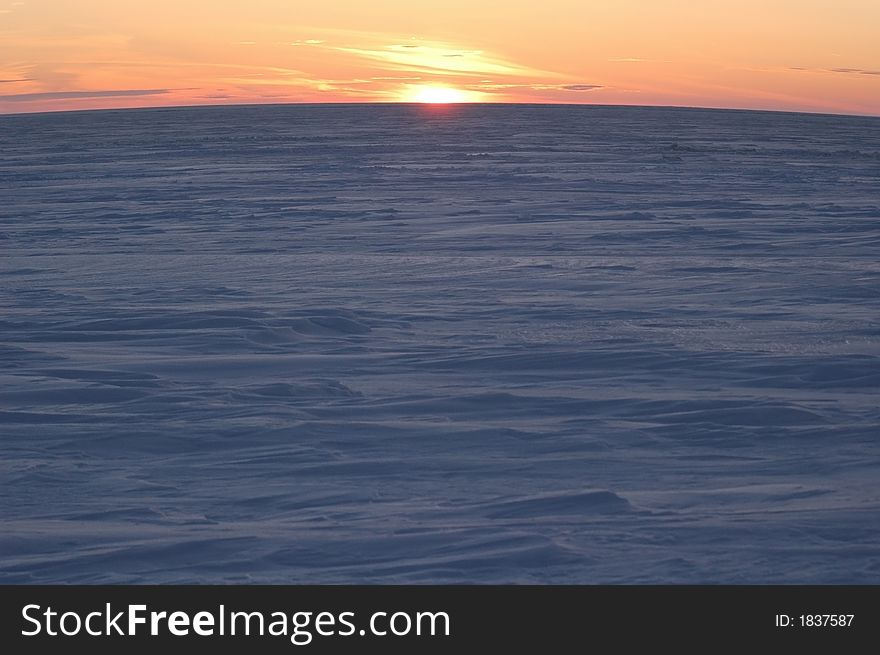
{"x":461,"y":344}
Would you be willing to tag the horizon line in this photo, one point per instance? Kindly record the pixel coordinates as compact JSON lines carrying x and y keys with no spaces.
{"x":424,"y":104}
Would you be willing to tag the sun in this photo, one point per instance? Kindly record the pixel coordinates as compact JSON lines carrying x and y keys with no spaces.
{"x":437,"y":95}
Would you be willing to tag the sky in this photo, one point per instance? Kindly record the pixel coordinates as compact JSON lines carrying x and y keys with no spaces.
{"x":805,"y":55}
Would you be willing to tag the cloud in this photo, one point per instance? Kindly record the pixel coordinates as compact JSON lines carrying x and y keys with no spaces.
{"x":850,"y":71}
{"x":441,"y":59}
{"x":23,"y":79}
{"x":492,"y":86}
{"x":64,"y":95}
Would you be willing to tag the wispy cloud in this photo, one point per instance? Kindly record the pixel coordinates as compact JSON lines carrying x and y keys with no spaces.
{"x":65,"y":95}
{"x":440,"y":59}
{"x":580,"y":87}
{"x":851,"y":71}
{"x":396,"y":78}
{"x":492,"y":86}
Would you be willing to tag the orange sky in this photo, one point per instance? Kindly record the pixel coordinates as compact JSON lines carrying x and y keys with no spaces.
{"x":806,"y":55}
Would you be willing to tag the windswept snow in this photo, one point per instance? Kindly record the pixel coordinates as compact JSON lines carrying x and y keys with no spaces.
{"x":459,"y":344}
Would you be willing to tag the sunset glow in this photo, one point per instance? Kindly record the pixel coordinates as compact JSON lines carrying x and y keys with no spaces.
{"x":437,"y":95}
{"x":790,"y":55}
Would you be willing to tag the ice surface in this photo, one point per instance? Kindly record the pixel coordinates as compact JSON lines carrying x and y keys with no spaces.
{"x":439,"y":344}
